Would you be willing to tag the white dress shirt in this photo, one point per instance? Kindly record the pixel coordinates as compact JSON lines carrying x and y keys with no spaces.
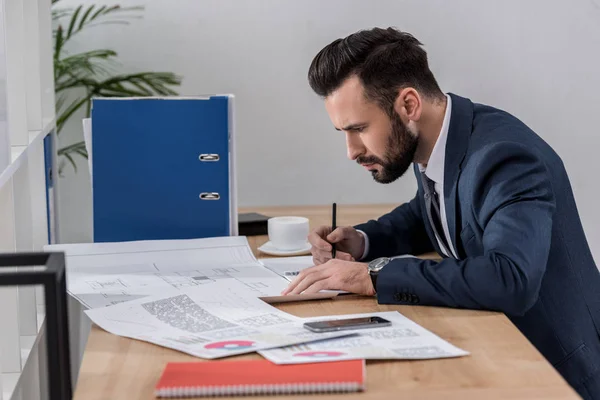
{"x":435,"y":171}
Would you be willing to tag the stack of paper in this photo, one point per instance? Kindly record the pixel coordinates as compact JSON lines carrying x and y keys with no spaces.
{"x":104,"y":274}
{"x":205,"y":297}
{"x":222,"y":319}
{"x":404,"y":339}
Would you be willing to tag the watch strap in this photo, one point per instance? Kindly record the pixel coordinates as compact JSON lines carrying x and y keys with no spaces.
{"x":373,"y":276}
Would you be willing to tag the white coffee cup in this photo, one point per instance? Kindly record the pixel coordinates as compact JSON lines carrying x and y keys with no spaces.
{"x":288,"y":233}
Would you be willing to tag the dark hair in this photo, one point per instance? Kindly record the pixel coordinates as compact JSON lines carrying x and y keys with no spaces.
{"x":385,"y":60}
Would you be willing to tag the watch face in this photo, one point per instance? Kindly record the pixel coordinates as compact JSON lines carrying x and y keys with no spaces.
{"x":378,"y":264}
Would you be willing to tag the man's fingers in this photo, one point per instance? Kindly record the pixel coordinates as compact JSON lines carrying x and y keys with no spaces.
{"x":291,"y":286}
{"x":317,"y":260}
{"x":320,"y":256}
{"x":338,"y":235}
{"x":343,"y":256}
{"x":297,"y":280}
{"x":318,"y":242}
{"x":335,"y":275}
{"x":303,"y":275}
{"x":318,"y":286}
{"x":308,"y":281}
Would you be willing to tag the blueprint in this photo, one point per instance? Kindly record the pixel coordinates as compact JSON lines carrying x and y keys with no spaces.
{"x":105,"y":274}
{"x":101,"y":290}
{"x":140,"y":256}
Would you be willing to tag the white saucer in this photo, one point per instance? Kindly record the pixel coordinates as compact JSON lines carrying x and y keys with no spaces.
{"x":271,"y":250}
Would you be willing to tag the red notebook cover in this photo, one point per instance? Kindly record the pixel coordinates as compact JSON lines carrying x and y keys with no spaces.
{"x":223,"y":378}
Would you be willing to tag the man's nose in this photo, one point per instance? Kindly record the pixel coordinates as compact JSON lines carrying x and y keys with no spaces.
{"x":354,"y":146}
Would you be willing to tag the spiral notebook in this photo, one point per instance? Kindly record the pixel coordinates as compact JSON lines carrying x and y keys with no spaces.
{"x":252,"y":377}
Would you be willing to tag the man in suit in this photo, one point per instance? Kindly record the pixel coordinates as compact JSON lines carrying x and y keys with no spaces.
{"x":493,"y":199}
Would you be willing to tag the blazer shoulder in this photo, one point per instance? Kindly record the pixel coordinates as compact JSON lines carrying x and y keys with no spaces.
{"x":492,"y":123}
{"x":497,"y":128}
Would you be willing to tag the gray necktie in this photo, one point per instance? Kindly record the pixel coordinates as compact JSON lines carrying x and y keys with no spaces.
{"x":432,"y":205}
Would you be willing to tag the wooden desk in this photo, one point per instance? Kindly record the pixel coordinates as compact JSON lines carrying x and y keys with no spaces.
{"x":502,"y":364}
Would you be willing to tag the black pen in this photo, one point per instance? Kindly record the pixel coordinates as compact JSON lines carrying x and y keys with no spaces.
{"x":333,"y":212}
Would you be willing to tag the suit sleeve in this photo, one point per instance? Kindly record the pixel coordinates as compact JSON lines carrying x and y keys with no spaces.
{"x":401,"y":231}
{"x":513,"y":203}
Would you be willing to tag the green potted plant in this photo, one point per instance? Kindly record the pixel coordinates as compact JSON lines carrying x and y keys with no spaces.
{"x":80,"y":77}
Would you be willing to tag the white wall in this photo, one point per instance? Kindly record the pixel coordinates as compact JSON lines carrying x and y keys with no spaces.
{"x":538,"y":59}
{"x":4,"y":138}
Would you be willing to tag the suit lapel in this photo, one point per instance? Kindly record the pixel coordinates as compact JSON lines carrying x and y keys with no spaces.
{"x":459,"y":132}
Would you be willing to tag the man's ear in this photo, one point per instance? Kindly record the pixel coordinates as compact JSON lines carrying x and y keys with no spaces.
{"x":408,"y":105}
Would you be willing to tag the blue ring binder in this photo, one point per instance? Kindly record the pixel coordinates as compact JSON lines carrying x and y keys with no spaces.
{"x":156,"y":161}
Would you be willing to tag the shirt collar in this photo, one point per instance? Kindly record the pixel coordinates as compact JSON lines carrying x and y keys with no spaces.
{"x":435,"y":166}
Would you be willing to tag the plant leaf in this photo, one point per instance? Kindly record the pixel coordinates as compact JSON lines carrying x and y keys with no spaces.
{"x":72,"y":148}
{"x":114,"y":22}
{"x":66,"y":114}
{"x":85,"y":15}
{"x":58,"y":42}
{"x":142,"y":88}
{"x":81,"y":65}
{"x":151,"y":82}
{"x":91,"y":70}
{"x":70,"y":158}
{"x":82,"y":153}
{"x":60,"y":101}
{"x":98,"y":12}
{"x":75,"y":148}
{"x":93,"y":18}
{"x":74,"y":83}
{"x":73,"y":20}
{"x":58,"y":13}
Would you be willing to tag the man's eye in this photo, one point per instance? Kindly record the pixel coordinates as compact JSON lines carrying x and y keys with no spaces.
{"x":359,"y":129}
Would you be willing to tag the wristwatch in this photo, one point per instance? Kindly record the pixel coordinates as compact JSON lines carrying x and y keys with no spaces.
{"x":374,"y":267}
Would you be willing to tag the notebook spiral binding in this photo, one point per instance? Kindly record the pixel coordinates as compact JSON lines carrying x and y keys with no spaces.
{"x":196,"y":391}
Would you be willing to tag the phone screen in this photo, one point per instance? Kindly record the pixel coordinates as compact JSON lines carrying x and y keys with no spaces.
{"x":348,"y":323}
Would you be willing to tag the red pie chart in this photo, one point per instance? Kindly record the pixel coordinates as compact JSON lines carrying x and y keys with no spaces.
{"x":230,"y":345}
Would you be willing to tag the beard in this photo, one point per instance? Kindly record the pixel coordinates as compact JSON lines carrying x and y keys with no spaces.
{"x":401,"y":148}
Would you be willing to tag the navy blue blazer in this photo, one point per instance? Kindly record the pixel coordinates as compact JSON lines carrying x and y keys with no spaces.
{"x":522,"y":250}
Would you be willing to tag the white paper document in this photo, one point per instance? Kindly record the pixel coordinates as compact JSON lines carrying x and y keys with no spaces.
{"x":123,"y":257}
{"x":289,"y":267}
{"x":104,"y":274}
{"x":223,"y":319}
{"x":404,"y":339}
{"x":101,"y":290}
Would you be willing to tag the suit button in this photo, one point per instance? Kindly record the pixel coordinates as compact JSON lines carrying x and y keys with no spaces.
{"x":414,"y":299}
{"x":397,"y":297}
{"x":405,"y":297}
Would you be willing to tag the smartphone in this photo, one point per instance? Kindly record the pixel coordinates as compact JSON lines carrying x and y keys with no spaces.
{"x":346,"y":324}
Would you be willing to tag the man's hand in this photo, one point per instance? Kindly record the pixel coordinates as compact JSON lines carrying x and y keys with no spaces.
{"x":335,"y":275}
{"x":350,"y":244}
